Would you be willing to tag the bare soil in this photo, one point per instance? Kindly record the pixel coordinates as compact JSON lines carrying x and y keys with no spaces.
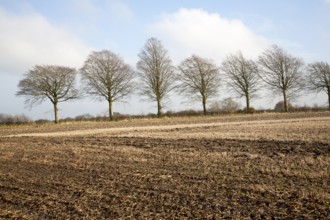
{"x":254,"y":167}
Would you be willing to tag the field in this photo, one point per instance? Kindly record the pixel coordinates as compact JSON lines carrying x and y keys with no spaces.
{"x":263,"y":166}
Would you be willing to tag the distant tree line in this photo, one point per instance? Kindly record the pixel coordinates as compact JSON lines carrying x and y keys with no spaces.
{"x":106,"y":76}
{"x":6,"y":119}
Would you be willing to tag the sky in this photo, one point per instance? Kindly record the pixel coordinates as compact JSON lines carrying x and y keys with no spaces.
{"x":64,"y":32}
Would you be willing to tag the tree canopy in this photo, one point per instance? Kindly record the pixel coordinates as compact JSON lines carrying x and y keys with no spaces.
{"x":282,"y":72}
{"x":241,"y":76}
{"x":43,"y":82}
{"x":106,"y":76}
{"x":156,"y":72}
{"x":199,"y":78}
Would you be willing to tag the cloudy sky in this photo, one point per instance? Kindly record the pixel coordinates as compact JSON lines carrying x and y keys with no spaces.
{"x":64,"y":32}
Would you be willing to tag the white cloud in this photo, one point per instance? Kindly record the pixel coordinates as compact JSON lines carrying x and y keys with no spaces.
{"x":189,"y":31}
{"x":29,"y":39}
{"x":327,"y":1}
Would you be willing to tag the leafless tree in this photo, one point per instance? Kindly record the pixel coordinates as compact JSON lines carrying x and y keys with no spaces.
{"x":282,"y":72}
{"x":55,"y":83}
{"x":242,"y":76}
{"x":199,"y":78}
{"x":156,"y":72}
{"x":106,"y":76}
{"x":319,"y":78}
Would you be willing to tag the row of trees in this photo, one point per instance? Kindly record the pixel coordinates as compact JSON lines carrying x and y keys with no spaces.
{"x":106,"y":76}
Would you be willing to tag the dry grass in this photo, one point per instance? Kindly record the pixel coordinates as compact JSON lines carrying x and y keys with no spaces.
{"x":212,"y":169}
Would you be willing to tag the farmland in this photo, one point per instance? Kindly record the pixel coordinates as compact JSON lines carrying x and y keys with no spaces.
{"x":248,"y":166}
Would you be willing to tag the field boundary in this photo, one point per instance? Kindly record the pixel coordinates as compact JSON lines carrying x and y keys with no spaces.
{"x":164,"y":127}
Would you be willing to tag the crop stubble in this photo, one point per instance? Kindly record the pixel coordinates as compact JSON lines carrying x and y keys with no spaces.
{"x":252,"y":170}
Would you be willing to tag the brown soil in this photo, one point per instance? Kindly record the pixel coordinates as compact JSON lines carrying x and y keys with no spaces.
{"x":152,"y":176}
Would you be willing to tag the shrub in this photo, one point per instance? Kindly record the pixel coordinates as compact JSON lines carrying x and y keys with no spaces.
{"x":227,"y":105}
{"x":279,"y":107}
{"x":6,"y":119}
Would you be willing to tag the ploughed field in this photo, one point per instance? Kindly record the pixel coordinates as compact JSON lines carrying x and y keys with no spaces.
{"x":257,"y":166}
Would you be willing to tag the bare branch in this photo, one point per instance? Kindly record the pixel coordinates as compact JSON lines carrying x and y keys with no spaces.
{"x":242,"y":76}
{"x":156,"y":72}
{"x":198,"y":78}
{"x":318,"y":78}
{"x":282,"y":72}
{"x":55,"y":83}
{"x":106,"y":76}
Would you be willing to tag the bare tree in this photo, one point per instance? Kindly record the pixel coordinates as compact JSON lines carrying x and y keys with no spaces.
{"x":106,"y":76}
{"x":282,"y":72}
{"x":319,"y":78}
{"x":242,"y":77}
{"x":55,"y":83}
{"x":156,"y":72}
{"x":199,"y":78}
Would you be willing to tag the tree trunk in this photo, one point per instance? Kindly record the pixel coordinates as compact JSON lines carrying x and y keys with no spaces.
{"x":204,"y":106}
{"x":110,"y":110}
{"x":285,"y":102}
{"x":56,"y":113}
{"x":329,"y":98}
{"x":159,"y":108}
{"x":247,"y":103}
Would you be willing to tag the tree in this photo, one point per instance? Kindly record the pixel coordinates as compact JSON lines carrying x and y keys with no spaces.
{"x":106,"y":76}
{"x":319,"y":78}
{"x":282,"y":72}
{"x":156,"y":73}
{"x":198,"y":78}
{"x":242,"y":77}
{"x":55,"y":83}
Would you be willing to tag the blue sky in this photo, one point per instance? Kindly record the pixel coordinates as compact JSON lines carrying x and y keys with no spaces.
{"x":64,"y":32}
